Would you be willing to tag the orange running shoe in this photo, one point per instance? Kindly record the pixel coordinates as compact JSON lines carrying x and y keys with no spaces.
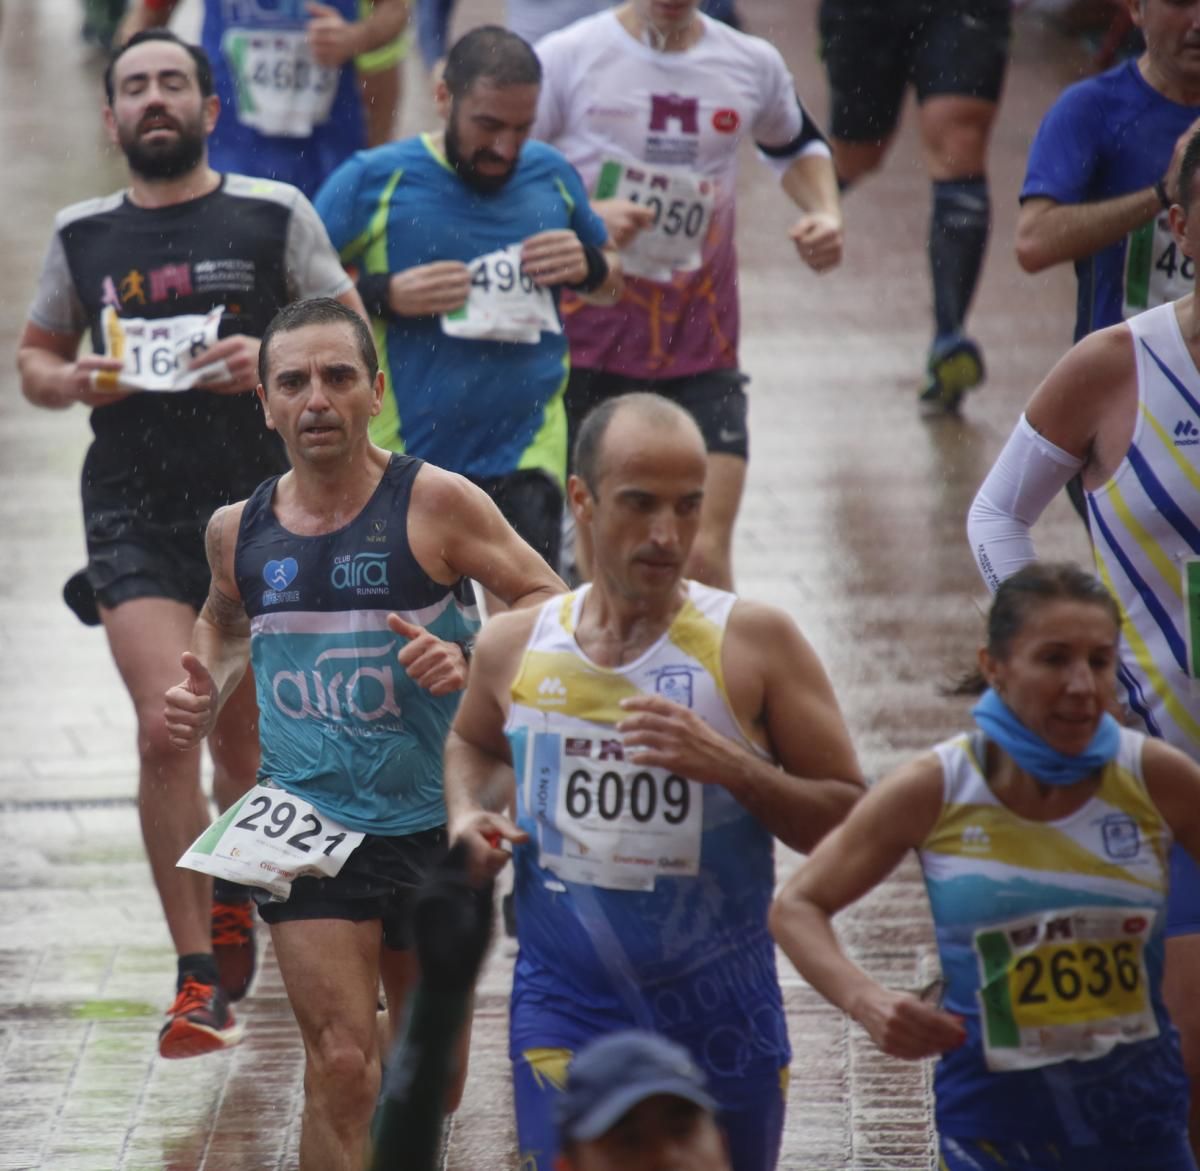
{"x":233,"y":946}
{"x":199,"y":1022}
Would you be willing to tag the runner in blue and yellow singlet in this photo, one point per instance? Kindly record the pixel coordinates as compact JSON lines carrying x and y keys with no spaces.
{"x":661,"y":734}
{"x":1044,"y":839}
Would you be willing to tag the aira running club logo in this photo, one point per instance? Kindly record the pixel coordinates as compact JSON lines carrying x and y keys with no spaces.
{"x":364,"y":573}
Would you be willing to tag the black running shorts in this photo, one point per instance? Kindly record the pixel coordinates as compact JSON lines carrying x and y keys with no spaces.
{"x":130,"y":557}
{"x":378,"y":881}
{"x":715,"y":398}
{"x":873,"y":49}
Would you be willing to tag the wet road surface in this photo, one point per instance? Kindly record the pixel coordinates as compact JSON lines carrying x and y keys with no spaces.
{"x":853,"y":521}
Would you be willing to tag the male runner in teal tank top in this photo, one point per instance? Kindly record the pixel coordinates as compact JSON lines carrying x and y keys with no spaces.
{"x":660,"y":734}
{"x":322,"y":655}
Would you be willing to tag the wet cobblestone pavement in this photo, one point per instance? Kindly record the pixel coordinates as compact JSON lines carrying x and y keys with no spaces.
{"x":853,"y":521}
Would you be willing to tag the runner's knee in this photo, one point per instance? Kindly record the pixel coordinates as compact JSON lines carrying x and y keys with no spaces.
{"x":956,"y":139}
{"x":855,"y":160}
{"x":154,"y":746}
{"x":343,"y":1076}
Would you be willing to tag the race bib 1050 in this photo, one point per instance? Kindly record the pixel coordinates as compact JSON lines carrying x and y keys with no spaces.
{"x":682,"y":203}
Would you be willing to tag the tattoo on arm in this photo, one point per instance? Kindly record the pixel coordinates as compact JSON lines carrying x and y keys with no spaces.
{"x":220,"y":609}
{"x":224,"y":612}
{"x":214,"y":541}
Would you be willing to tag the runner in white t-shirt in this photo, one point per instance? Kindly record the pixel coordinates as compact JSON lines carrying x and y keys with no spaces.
{"x":650,"y":102}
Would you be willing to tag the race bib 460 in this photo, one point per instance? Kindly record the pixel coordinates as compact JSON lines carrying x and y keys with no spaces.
{"x":268,"y":839}
{"x":280,"y":89}
{"x":1064,"y":985}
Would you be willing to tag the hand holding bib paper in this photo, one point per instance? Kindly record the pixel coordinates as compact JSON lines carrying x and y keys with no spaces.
{"x":161,"y":354}
{"x":506,"y":302}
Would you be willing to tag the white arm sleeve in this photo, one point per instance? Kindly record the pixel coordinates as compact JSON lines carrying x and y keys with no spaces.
{"x":1024,"y":479}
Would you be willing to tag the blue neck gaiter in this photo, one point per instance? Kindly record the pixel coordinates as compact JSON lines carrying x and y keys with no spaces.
{"x":1033,"y":754}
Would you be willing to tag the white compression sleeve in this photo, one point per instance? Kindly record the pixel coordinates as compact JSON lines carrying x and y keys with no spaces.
{"x":1028,"y":474}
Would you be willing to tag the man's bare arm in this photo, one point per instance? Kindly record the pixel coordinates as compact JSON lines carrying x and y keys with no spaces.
{"x":220,"y":649}
{"x":456,"y":530}
{"x":811,"y":184}
{"x":814,"y":778}
{"x":1050,"y":233}
{"x":385,"y":22}
{"x":221,"y":638}
{"x":352,"y":300}
{"x":53,"y":377}
{"x":478,"y":775}
{"x":141,"y":17}
{"x":613,"y":287}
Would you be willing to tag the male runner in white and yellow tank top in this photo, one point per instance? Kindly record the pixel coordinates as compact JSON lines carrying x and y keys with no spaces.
{"x":1123,"y":410}
{"x":661,"y":734}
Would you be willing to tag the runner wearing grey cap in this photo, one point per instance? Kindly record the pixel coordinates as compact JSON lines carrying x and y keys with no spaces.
{"x":638,"y":1102}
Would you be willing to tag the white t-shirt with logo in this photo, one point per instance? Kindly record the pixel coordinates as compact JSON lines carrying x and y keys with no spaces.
{"x":664,"y":129}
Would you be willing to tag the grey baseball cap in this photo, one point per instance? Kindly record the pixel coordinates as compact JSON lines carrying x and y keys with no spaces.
{"x":612,"y":1075}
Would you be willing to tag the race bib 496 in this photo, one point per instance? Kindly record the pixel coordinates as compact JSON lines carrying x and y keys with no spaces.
{"x":504,"y":304}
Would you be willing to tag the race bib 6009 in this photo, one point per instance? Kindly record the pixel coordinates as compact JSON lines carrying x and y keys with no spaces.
{"x":610,"y":823}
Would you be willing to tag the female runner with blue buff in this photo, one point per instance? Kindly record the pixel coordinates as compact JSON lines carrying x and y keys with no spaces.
{"x":1043,"y":838}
